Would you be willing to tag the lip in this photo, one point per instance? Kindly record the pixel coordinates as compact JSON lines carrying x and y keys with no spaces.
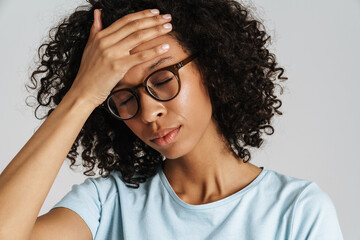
{"x":163,"y":133}
{"x":168,"y":138}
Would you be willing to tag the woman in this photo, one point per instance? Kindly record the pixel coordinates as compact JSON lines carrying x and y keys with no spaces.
{"x":168,"y":129}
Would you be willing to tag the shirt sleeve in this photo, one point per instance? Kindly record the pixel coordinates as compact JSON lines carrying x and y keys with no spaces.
{"x":315,"y":216}
{"x":84,"y":200}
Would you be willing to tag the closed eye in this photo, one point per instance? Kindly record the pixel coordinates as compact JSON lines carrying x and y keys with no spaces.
{"x":161,"y":83}
{"x":126,"y":101}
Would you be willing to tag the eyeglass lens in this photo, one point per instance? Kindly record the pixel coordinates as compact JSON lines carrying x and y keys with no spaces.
{"x":162,"y":85}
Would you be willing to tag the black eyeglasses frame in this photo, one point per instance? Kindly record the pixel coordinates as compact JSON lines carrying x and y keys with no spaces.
{"x":172,"y":68}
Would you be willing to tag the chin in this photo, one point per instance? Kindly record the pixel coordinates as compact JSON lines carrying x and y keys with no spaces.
{"x":178,"y":149}
{"x":171,"y":153}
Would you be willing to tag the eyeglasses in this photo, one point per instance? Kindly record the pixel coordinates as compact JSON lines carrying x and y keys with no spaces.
{"x":163,"y":85}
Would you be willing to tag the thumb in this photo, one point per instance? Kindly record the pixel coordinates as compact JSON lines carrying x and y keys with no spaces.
{"x":97,"y":24}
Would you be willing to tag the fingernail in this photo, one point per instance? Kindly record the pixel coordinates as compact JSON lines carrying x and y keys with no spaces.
{"x":167,"y":25}
{"x":167,"y":16}
{"x":155,"y":11}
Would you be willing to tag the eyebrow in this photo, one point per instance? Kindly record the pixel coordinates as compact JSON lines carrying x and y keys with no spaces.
{"x":159,"y":62}
{"x":152,"y":67}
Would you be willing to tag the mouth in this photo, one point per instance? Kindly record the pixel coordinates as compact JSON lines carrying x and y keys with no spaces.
{"x":168,"y":138}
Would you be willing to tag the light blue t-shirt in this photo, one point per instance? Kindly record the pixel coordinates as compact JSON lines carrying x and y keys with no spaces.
{"x":272,"y":206}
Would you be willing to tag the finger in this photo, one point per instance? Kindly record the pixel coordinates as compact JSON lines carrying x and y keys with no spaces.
{"x":118,"y":24}
{"x":136,"y":25}
{"x":141,"y":36}
{"x":99,"y":20}
{"x":140,"y":57}
{"x":97,"y":24}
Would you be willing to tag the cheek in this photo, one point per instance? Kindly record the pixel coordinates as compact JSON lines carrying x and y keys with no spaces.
{"x":194,"y":107}
{"x":195,"y":102}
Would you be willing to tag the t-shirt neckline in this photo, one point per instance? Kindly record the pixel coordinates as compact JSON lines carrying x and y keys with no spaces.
{"x":214,"y":204}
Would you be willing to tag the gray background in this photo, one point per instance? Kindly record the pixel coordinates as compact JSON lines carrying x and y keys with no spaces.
{"x":317,"y":42}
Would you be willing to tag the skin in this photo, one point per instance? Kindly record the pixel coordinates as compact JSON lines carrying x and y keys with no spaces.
{"x":193,"y":160}
{"x":199,"y":167}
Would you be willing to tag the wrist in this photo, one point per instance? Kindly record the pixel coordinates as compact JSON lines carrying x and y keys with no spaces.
{"x":76,"y":100}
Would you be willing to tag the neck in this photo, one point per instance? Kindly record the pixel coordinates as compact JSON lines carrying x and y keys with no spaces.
{"x":210,"y":171}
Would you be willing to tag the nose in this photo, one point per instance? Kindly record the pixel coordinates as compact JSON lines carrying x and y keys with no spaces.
{"x":150,"y":108}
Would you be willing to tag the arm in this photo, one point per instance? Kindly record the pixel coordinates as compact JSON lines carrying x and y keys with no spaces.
{"x":26,"y":181}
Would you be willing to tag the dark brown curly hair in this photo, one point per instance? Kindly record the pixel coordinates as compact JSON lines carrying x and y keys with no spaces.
{"x":238,"y":71}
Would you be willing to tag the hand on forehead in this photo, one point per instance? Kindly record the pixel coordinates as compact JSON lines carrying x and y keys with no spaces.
{"x":152,"y":43}
{"x":174,"y":53}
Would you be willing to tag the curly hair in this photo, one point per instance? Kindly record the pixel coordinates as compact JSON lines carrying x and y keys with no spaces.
{"x":235,"y":64}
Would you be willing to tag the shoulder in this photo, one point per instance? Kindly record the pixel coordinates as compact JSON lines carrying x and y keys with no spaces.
{"x":285,"y":186}
{"x":113,"y":186}
{"x":306,"y":194}
{"x":313,"y":195}
{"x":313,"y":214}
{"x":95,"y":190}
{"x":104,"y":187}
{"x":303,"y":190}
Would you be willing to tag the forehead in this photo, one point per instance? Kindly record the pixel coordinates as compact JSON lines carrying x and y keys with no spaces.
{"x":140,"y":71}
